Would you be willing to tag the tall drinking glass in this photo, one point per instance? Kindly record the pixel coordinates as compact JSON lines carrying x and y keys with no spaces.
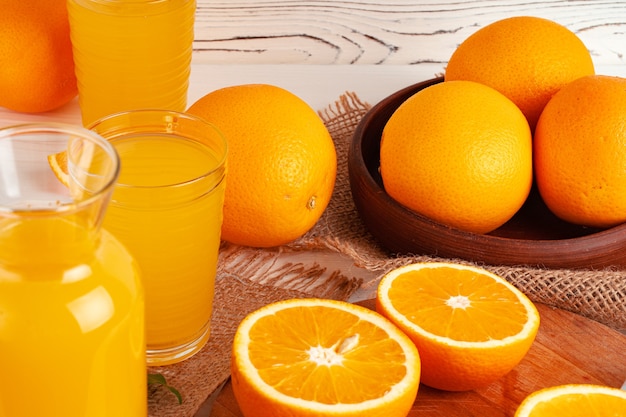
{"x":72,"y":338}
{"x":167,"y":209}
{"x":131,"y":54}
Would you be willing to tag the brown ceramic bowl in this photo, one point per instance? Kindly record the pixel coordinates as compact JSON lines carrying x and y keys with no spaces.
{"x":533,"y":237}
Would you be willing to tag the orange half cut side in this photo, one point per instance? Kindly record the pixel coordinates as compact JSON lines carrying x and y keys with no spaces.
{"x":574,"y":400}
{"x":311,"y":357}
{"x":470,"y":326}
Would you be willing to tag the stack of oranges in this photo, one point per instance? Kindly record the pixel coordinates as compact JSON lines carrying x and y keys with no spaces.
{"x":520,"y":101}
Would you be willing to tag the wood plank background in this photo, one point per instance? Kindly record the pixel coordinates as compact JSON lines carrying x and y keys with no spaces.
{"x":395,"y":32}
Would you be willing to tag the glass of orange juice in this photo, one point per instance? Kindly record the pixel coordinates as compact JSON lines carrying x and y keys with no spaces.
{"x":71,"y":301}
{"x":131,"y":54}
{"x":167,"y":209}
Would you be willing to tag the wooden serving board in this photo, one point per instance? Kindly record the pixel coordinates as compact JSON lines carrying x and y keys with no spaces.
{"x":568,"y":349}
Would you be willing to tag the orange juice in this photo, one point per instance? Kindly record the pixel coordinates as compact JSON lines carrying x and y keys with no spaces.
{"x":131,"y":54}
{"x":167,"y":210}
{"x":71,"y":322}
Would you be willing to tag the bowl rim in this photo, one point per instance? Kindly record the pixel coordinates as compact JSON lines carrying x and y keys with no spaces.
{"x":589,"y":246}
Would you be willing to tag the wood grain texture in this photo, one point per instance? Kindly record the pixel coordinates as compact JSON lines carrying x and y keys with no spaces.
{"x":406,"y":32}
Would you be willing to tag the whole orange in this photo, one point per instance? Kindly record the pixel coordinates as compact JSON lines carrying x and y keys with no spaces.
{"x":281,"y":163}
{"x":525,"y":58}
{"x":580,"y":152}
{"x":36,"y":62}
{"x":460,"y":153}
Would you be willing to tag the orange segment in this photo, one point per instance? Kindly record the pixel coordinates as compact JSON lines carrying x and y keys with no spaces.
{"x":470,"y":326}
{"x":575,"y":400}
{"x":58,"y":163}
{"x":79,"y":168}
{"x":311,"y":357}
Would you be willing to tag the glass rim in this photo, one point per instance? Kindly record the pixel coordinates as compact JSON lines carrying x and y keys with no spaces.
{"x":70,"y":130}
{"x":222,"y":154}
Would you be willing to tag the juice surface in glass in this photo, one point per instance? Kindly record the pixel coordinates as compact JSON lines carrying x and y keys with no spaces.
{"x":167,"y":210}
{"x":71,"y":323}
{"x":131,"y":54}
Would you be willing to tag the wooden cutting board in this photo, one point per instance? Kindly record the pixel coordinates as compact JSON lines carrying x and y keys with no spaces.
{"x":568,"y":349}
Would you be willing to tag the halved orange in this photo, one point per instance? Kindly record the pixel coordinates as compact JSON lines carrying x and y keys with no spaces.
{"x":574,"y":400}
{"x":312,"y":357}
{"x":470,"y":326}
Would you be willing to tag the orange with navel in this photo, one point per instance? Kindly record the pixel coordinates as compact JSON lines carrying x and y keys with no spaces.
{"x":36,"y":61}
{"x":528,"y":59}
{"x":460,"y":153}
{"x":580,"y":152}
{"x":281,"y":163}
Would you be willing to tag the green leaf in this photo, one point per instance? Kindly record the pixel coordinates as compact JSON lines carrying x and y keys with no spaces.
{"x":159,"y":379}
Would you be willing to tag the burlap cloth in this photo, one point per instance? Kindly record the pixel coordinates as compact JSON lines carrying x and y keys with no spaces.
{"x":250,"y":278}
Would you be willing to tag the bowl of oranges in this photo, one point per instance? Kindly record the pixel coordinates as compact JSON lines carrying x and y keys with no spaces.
{"x":484,"y":165}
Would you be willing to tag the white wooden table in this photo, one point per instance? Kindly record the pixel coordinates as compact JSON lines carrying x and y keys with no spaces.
{"x":372,"y":32}
{"x":320,"y":49}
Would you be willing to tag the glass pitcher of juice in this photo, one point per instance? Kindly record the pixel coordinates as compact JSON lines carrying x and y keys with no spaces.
{"x":131,"y":54}
{"x":71,"y":303}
